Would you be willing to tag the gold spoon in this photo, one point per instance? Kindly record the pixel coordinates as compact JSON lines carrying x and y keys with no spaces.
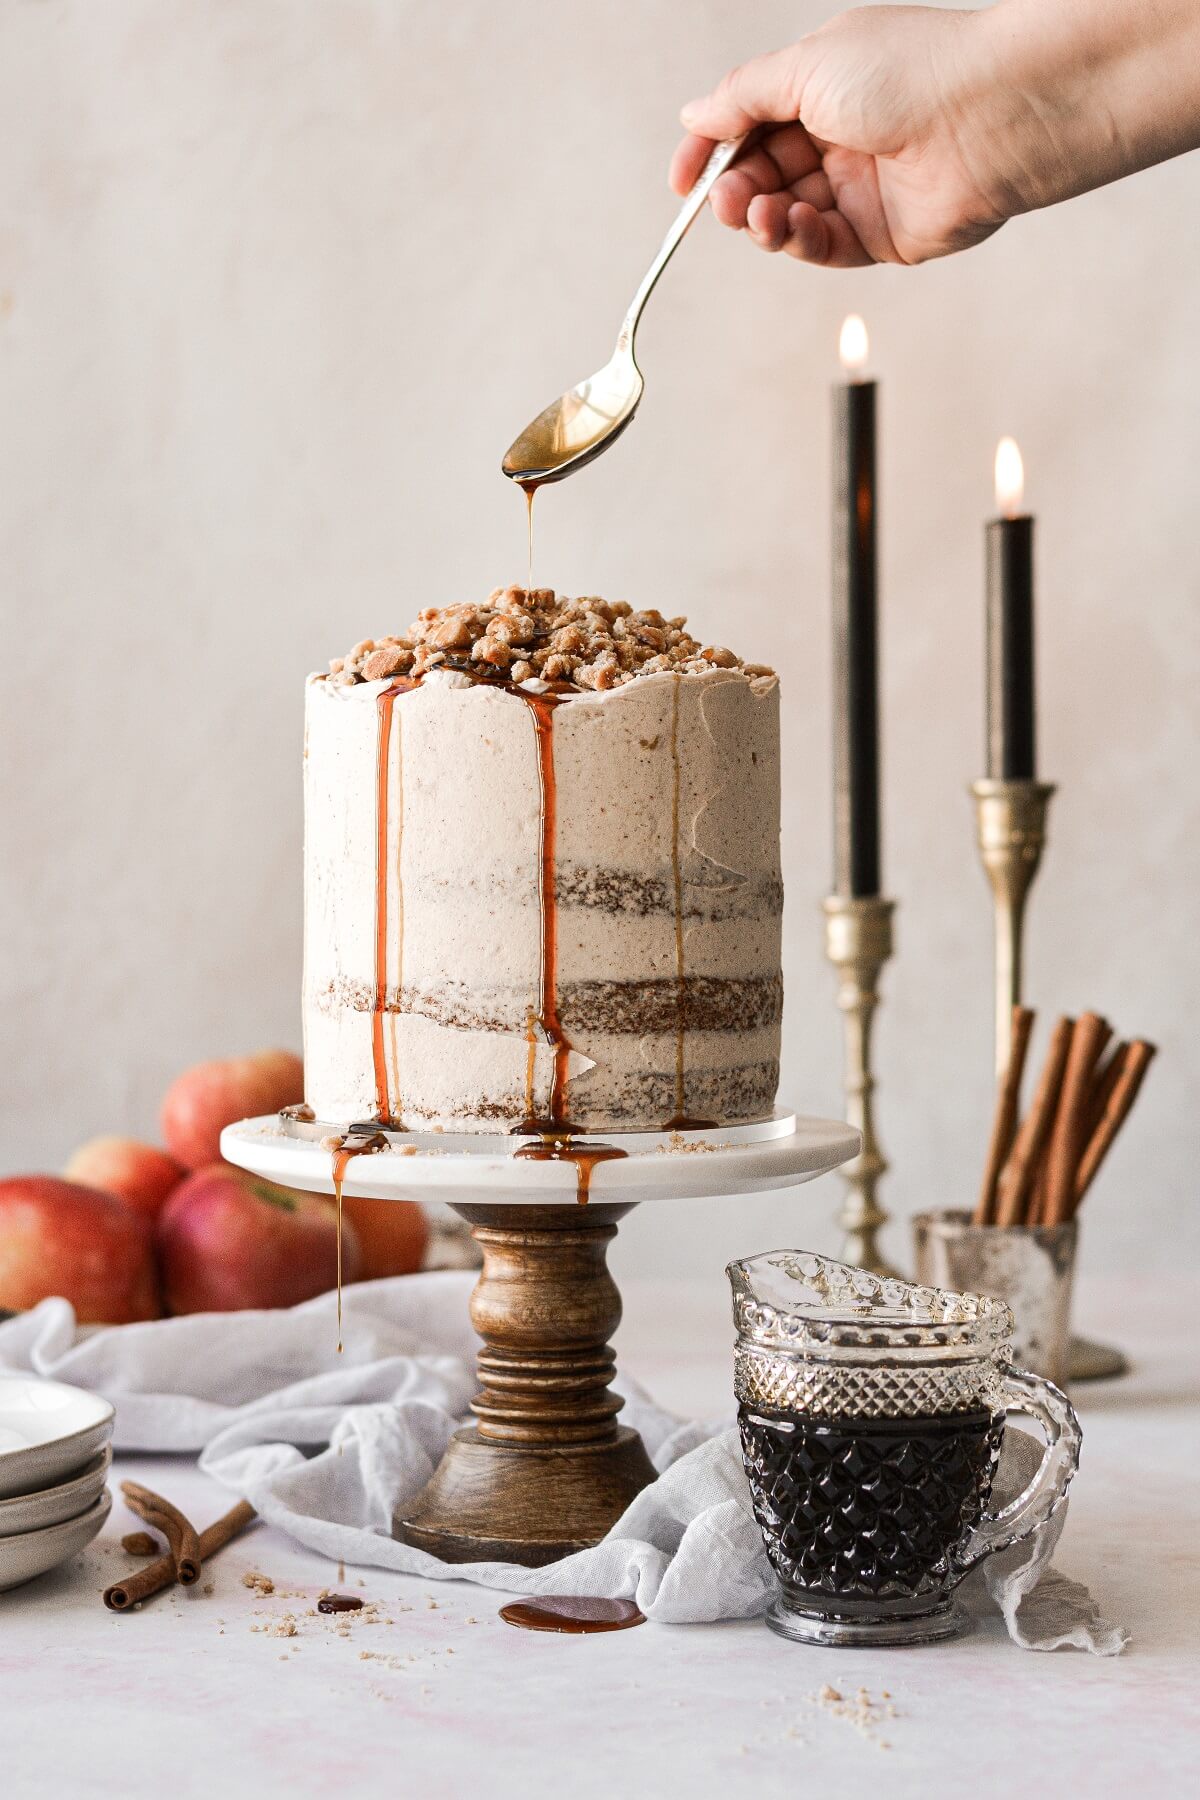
{"x":588,"y":418}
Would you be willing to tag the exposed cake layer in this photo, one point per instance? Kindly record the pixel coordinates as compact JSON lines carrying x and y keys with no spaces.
{"x":530,"y":905}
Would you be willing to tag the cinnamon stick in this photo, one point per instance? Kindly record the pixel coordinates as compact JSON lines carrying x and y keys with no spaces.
{"x":1035,"y":1209}
{"x":1107,"y":1076}
{"x":1068,"y":1139}
{"x":165,"y":1518}
{"x":1020,"y":1169}
{"x":1004,"y":1123}
{"x":160,"y":1574}
{"x":1134,"y":1063}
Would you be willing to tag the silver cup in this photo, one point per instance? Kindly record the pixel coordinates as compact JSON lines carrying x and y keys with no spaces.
{"x":1029,"y":1267}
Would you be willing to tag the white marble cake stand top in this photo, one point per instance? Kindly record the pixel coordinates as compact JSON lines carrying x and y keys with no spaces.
{"x":467,"y":1168}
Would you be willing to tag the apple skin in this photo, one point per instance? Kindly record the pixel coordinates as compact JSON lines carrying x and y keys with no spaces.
{"x":228,"y":1241}
{"x":140,"y":1174}
{"x":392,"y":1234}
{"x":60,"y":1237}
{"x":203,"y":1100}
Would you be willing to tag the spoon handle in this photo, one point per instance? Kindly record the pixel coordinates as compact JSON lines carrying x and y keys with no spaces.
{"x":722,"y":157}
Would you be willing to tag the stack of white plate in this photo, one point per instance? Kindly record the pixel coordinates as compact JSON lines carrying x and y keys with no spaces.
{"x":54,"y":1458}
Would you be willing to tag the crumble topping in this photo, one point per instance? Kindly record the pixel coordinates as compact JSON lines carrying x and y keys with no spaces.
{"x":533,"y":634}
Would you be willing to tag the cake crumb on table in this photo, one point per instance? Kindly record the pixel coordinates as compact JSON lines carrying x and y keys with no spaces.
{"x":139,"y":1543}
{"x":863,"y":1713}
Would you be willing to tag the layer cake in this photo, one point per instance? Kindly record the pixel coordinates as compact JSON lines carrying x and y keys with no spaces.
{"x":542,"y":881}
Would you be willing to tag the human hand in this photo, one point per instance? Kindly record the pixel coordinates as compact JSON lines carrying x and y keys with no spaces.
{"x":894,"y":161}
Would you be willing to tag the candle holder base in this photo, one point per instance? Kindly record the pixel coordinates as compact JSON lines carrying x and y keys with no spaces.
{"x":1089,"y":1361}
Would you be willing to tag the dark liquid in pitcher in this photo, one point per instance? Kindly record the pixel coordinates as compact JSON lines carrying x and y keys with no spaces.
{"x":867,"y":1508}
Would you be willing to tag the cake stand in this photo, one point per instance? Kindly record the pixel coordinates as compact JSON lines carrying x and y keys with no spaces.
{"x":546,"y":1470}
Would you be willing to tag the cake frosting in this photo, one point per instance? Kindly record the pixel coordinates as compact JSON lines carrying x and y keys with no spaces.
{"x":542,"y":887}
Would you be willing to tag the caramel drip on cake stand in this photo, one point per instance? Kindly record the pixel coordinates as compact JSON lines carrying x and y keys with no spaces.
{"x":354,"y":1143}
{"x":567,"y":1149}
{"x":385,"y":702}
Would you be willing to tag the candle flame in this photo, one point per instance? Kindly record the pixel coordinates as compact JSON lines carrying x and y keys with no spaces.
{"x":853,"y":345}
{"x":1010,"y":478}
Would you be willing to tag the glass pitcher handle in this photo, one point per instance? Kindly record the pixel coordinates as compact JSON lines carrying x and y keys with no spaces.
{"x":1049,"y":1406}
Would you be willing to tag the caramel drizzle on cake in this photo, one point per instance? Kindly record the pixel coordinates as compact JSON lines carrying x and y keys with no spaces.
{"x":384,"y":1101}
{"x":541,"y":708}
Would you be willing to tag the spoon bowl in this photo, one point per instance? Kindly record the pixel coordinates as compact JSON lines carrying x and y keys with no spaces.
{"x":581,"y":423}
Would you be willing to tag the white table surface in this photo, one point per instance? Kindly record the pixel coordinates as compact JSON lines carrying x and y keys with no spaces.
{"x":192,"y":1696}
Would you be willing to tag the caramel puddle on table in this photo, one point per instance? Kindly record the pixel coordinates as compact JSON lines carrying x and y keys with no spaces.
{"x":385,"y":703}
{"x":362,"y":1143}
{"x":574,"y":1614}
{"x":339,"y":1603}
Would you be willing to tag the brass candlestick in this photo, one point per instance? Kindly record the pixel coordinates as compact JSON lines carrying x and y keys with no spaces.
{"x":1010,"y":819}
{"x":858,"y":941}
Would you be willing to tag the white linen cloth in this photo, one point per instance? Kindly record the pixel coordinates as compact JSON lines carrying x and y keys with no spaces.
{"x":324,"y":1446}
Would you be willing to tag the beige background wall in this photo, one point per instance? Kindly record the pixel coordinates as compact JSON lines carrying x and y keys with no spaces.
{"x":278,"y":282}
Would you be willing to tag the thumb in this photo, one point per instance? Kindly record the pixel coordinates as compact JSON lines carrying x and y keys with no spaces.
{"x":765,"y":91}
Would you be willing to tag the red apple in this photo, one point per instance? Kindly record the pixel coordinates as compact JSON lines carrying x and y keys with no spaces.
{"x":59,"y":1237}
{"x":392,"y":1234}
{"x":228,"y":1240}
{"x":140,"y":1174}
{"x":202,"y":1101}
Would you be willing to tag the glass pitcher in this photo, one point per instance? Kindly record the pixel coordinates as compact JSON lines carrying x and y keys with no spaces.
{"x":872,"y":1413}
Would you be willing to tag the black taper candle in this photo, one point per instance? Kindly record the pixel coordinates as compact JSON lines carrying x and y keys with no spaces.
{"x":1011,"y":738}
{"x":855,"y":657}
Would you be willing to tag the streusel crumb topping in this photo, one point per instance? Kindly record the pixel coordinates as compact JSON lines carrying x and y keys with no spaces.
{"x":532,"y":634}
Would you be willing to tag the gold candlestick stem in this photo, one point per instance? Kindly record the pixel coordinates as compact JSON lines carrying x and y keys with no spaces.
{"x":858,"y":941}
{"x":1010,"y":818}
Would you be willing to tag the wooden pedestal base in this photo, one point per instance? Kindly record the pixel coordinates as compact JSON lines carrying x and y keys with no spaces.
{"x":547,"y":1470}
